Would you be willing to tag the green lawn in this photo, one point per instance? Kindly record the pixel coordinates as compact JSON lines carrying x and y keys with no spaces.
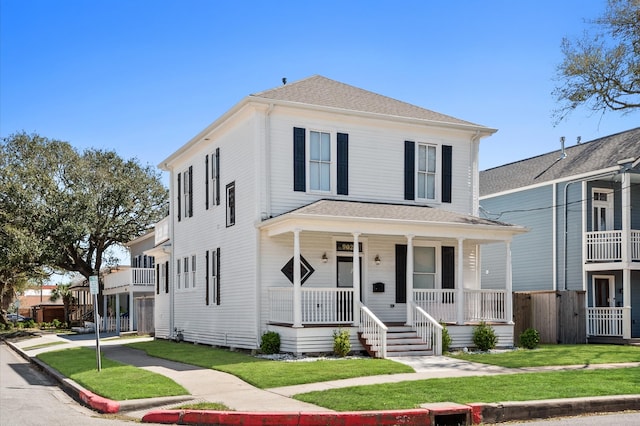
{"x":265,"y":373}
{"x":508,"y":387}
{"x":556,"y":355}
{"x":115,"y":380}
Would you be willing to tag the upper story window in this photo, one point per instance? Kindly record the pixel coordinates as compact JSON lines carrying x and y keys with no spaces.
{"x":212,"y":178}
{"x":185,"y":193}
{"x":231,"y":204}
{"x":319,"y":161}
{"x":427,"y":165}
{"x":427,"y":172}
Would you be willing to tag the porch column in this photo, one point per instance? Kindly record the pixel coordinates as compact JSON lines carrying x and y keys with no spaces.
{"x":297,"y":286}
{"x":104,"y":312}
{"x":356,"y":279}
{"x":409,"y":279}
{"x":460,"y":303}
{"x":117,"y":319}
{"x":131,"y":310}
{"x":626,"y":255}
{"x":508,"y":303}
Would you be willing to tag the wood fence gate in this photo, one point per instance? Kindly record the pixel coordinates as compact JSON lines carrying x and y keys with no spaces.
{"x":559,"y":316}
{"x":144,"y":312}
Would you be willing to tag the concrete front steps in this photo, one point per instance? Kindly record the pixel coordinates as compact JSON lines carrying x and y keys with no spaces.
{"x":401,"y":341}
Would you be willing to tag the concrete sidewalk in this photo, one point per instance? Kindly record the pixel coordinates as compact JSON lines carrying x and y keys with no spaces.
{"x":215,"y":386}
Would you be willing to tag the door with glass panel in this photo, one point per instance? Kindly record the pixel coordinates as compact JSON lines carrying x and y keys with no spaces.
{"x":345,"y":280}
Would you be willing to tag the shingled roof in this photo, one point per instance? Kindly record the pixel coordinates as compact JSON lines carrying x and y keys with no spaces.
{"x":322,"y":91}
{"x":587,"y":157}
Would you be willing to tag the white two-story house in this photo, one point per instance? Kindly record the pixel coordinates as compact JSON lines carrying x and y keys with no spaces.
{"x":318,"y":205}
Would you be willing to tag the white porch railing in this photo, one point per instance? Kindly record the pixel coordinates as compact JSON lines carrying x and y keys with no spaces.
{"x":143,"y":279}
{"x":373,"y":331}
{"x":606,"y":246}
{"x":480,"y":305}
{"x":111,"y":324}
{"x":427,"y":328}
{"x":161,"y":232}
{"x":319,"y":305}
{"x":605,"y":322}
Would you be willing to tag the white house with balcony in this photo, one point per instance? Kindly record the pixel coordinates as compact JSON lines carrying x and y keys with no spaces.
{"x":123,"y":284}
{"x":582,"y":206}
{"x":318,"y":205}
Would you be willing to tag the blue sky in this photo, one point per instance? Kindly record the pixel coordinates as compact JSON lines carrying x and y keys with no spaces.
{"x":142,"y":77}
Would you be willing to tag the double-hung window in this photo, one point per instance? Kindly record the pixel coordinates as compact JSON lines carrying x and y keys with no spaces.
{"x":319,"y":161}
{"x":231,"y":204}
{"x":185,"y":270}
{"x":185,"y":193}
{"x":424,"y":267}
{"x":178,"y":275}
{"x":427,"y":169}
{"x":212,"y":178}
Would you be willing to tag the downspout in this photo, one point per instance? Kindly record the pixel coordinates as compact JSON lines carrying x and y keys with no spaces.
{"x":564,"y":239}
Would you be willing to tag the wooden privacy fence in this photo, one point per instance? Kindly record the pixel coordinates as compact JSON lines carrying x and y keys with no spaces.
{"x":144,"y":314}
{"x":559,"y":316}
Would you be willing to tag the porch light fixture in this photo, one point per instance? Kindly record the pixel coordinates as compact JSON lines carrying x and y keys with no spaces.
{"x":325,"y":259}
{"x":377,"y":259}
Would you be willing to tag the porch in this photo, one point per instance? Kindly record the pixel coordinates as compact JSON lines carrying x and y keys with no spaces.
{"x":120,"y":288}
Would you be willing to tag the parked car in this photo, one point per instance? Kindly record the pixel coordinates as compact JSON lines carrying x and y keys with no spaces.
{"x":15,"y":317}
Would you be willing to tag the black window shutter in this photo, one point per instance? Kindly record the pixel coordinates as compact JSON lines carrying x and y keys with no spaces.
{"x":343,"y":163}
{"x":166,"y":277}
{"x":217,"y":176}
{"x":299,"y":180}
{"x":218,"y":276}
{"x":179,"y":196}
{"x":409,"y":171}
{"x":206,"y":279}
{"x":401,"y":273}
{"x":446,"y":173}
{"x":190,"y":191}
{"x":448,"y":267}
{"x":157,"y":279}
{"x":206,"y":181}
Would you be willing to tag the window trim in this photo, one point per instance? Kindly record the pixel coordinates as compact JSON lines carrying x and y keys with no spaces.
{"x":437,"y":173}
{"x":185,"y":193}
{"x":330,"y":163}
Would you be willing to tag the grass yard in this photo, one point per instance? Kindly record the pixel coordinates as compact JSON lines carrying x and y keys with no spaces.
{"x":265,"y":373}
{"x":508,"y":387}
{"x":115,"y":381}
{"x":547,"y":355}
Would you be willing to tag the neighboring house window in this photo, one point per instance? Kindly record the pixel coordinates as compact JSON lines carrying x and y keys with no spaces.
{"x":425,"y":176}
{"x":231,"y":204}
{"x":185,"y":193}
{"x":427,"y":171}
{"x":318,"y":170}
{"x":193,"y":271}
{"x":602,"y":218}
{"x":213,"y":277}
{"x":319,"y":161}
{"x":178,"y":276}
{"x":212,"y":178}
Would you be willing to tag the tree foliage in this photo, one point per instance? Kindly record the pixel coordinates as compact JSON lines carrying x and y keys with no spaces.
{"x":601,"y":71}
{"x":63,"y":292}
{"x":65,"y":209}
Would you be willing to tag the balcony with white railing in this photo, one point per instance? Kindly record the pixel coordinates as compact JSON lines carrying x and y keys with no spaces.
{"x":319,"y":305}
{"x":138,"y":279}
{"x":162,"y":231}
{"x":606,"y":246}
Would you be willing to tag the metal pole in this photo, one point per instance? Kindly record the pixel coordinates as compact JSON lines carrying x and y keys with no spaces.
{"x":97,"y":325}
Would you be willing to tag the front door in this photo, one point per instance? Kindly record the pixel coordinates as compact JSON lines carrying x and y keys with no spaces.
{"x":344,"y":279}
{"x":603,"y":292}
{"x":602,"y":218}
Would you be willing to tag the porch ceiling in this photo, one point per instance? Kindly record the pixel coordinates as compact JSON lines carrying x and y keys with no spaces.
{"x":389,"y":219}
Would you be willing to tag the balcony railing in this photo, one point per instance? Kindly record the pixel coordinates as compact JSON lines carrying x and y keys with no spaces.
{"x":142,"y":279}
{"x":162,"y":231}
{"x":606,"y":246}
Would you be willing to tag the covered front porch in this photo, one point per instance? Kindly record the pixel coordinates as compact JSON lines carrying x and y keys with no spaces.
{"x":378,"y":265}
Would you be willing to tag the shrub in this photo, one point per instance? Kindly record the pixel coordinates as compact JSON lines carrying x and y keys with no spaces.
{"x":270,"y":343}
{"x":341,"y":342}
{"x":530,"y":338}
{"x":29,"y":324}
{"x":446,"y":338}
{"x":484,"y":337}
{"x":56,"y":323}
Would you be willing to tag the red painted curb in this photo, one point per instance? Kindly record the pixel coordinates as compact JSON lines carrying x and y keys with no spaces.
{"x":417,"y":417}
{"x":99,"y":403}
{"x":476,"y":412}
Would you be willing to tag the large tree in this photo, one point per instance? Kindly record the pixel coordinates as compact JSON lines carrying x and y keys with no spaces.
{"x":601,"y":71}
{"x":74,"y":206}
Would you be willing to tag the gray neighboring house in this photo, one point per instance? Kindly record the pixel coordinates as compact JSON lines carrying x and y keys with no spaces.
{"x":582,"y":207}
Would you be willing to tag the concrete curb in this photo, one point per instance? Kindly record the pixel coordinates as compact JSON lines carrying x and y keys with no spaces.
{"x":90,"y":399}
{"x":361,"y":418}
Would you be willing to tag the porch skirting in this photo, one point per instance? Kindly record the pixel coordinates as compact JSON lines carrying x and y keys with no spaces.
{"x":462,"y":335}
{"x":312,"y":340}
